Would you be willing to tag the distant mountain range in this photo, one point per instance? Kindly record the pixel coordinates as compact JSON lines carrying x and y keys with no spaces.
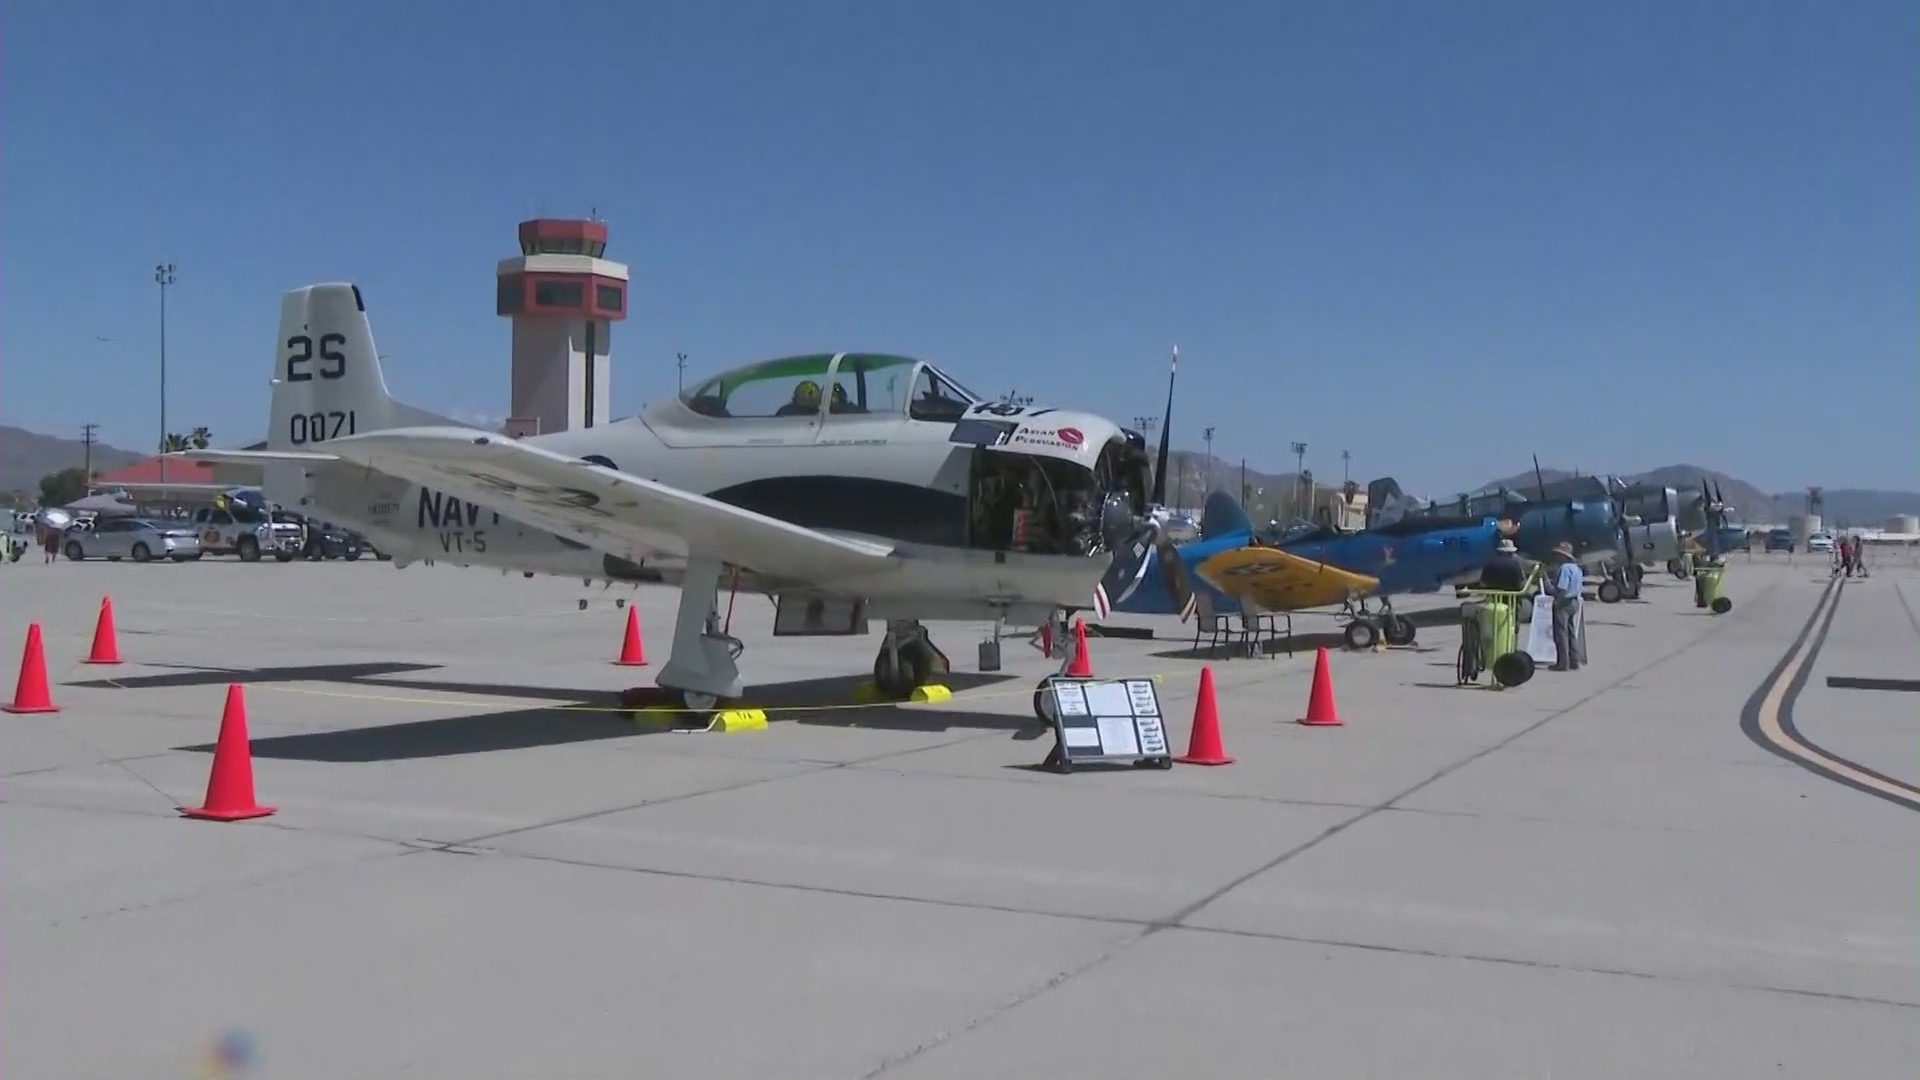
{"x":1268,"y":497}
{"x":26,"y":456}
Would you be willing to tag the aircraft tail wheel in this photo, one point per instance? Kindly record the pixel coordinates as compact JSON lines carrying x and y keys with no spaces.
{"x":1610,"y":593}
{"x":1513,"y":669}
{"x":1400,"y":630}
{"x":1722,"y":605}
{"x":1360,"y":635}
{"x":1676,"y":568}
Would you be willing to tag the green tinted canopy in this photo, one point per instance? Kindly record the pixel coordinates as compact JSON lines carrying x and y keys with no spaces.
{"x":810,"y":366}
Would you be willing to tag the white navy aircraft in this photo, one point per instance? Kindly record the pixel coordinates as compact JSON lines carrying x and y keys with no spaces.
{"x":847,"y":486}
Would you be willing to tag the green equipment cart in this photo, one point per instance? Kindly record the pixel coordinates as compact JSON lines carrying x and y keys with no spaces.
{"x":1706,"y":586}
{"x":1490,"y":635}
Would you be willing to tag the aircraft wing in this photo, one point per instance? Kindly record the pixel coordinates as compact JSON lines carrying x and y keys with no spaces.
{"x":1273,"y":579}
{"x":254,"y":457}
{"x":613,"y":511}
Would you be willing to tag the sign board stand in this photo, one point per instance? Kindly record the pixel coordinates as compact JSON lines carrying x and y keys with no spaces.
{"x":1106,"y":721}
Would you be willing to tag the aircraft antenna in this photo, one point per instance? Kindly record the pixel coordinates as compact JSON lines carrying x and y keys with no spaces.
{"x":1166,"y":433}
{"x":1539,"y":479}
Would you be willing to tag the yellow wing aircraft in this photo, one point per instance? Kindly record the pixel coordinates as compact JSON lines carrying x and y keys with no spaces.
{"x":1274,"y":579}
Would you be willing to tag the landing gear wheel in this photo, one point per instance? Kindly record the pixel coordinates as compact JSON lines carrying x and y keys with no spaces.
{"x":899,"y":680}
{"x":1513,"y":669}
{"x":695,"y":700}
{"x":1043,"y":701}
{"x":1677,"y":569}
{"x":1722,"y":605}
{"x":1635,"y":575}
{"x":1610,"y":592}
{"x":1360,"y":635}
{"x":1400,"y":630}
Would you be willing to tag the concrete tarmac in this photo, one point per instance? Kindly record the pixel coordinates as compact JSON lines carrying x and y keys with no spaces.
{"x":1637,"y":869}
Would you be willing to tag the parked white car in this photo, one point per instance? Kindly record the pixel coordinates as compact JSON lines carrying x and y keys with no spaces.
{"x":1820,"y":541}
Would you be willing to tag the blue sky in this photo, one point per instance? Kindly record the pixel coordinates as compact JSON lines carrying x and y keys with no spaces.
{"x":1443,"y":236}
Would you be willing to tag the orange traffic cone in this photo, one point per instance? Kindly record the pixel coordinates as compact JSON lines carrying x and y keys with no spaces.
{"x":1204,"y":746}
{"x":230,"y":784}
{"x":30,"y":694}
{"x":106,"y":650}
{"x":1320,"y":710}
{"x":631,"y":654}
{"x":1081,"y":666}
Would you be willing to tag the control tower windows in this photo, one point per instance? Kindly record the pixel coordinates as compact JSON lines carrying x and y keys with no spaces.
{"x":609,"y":299}
{"x":510,"y":298}
{"x":567,"y":294}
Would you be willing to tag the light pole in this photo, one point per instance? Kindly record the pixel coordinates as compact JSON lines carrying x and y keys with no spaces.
{"x":1299,"y":467}
{"x":1146,"y":425}
{"x":681,"y":359}
{"x":1346,"y":469}
{"x":1208,"y":436}
{"x":163,"y":276}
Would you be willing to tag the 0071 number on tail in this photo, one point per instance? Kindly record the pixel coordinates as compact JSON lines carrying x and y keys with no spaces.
{"x":304,"y":428}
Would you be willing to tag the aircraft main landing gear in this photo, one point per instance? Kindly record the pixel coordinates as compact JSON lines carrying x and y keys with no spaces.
{"x":701,"y":674}
{"x":1366,"y":628}
{"x":908,"y":660}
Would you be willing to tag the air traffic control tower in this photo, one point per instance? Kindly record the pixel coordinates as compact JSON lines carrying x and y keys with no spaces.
{"x":563,"y":299}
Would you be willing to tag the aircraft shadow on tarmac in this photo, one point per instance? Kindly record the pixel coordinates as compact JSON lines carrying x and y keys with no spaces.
{"x":1298,"y":642}
{"x":579,"y":716}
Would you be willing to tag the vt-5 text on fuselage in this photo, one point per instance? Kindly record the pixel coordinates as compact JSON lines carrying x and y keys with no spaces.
{"x":848,"y":485}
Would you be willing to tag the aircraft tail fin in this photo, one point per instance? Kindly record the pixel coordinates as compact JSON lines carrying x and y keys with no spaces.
{"x":327,"y":382}
{"x":1386,"y":503}
{"x":1223,"y":514}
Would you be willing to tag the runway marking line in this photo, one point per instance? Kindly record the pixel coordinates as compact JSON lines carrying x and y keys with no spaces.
{"x":1767,"y":718}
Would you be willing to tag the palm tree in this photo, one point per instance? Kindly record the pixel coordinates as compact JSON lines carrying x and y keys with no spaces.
{"x":201,"y":438}
{"x":173,"y":444}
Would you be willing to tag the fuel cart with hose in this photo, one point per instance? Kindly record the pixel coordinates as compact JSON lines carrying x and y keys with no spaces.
{"x":1490,"y":635}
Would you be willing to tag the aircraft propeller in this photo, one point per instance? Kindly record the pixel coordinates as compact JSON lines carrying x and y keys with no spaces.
{"x":1131,"y":538}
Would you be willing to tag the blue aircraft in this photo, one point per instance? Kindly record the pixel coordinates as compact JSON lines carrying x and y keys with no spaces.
{"x":1309,"y":567}
{"x":1404,"y":549}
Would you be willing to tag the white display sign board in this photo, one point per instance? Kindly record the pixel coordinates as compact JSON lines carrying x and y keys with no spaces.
{"x":1113,"y":720}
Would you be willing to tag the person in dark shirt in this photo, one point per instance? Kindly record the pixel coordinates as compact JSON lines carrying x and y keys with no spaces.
{"x":1504,"y":571}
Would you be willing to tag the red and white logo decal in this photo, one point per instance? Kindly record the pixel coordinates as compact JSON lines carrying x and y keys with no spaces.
{"x":1072,"y":436}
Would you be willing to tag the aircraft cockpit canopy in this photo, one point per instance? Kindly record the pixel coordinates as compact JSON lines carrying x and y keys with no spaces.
{"x":869,"y":384}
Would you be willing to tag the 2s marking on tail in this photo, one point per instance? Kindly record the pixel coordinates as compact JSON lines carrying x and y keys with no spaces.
{"x":302,"y":354}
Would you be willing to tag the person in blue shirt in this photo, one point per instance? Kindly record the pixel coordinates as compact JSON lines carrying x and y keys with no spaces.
{"x":1563,"y":582}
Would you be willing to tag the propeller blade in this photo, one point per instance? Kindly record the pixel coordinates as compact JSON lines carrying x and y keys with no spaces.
{"x":1166,"y":434}
{"x":1149,"y":549}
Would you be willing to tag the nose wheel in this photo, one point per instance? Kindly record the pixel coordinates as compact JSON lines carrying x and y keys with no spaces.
{"x":907,"y":661}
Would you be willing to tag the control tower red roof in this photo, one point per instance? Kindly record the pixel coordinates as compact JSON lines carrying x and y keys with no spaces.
{"x":562,"y":229}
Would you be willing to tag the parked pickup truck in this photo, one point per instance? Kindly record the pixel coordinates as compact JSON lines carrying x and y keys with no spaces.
{"x":241,"y":530}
